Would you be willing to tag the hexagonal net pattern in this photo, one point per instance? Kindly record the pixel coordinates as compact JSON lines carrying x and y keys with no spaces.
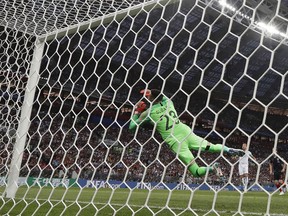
{"x":142,"y":107}
{"x":43,"y":16}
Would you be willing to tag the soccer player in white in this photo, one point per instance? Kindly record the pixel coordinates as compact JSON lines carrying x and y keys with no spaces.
{"x":243,"y":166}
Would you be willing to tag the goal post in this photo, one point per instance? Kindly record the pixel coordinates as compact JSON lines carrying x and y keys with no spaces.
{"x":26,"y":109}
{"x":24,"y":122}
{"x":71,"y":74}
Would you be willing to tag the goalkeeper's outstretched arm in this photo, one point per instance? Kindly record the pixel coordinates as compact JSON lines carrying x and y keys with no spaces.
{"x":138,"y":119}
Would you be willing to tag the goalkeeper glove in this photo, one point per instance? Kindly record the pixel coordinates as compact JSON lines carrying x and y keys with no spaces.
{"x":140,"y":107}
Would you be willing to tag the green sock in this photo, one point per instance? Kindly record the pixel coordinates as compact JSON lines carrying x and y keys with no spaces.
{"x":197,"y":171}
{"x":216,"y":148}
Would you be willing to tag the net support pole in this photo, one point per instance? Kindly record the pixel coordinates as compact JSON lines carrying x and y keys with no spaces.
{"x":23,"y":126}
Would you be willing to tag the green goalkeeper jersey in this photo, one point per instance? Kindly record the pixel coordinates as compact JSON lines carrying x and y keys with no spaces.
{"x":165,"y":117}
{"x":177,"y":135}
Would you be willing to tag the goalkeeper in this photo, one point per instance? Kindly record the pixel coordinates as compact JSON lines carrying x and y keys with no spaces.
{"x":178,"y":136}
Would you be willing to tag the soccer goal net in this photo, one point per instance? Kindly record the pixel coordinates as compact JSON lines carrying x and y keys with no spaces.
{"x":71,"y":74}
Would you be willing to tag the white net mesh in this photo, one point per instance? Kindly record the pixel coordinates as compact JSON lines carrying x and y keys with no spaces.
{"x":71,"y":73}
{"x":41,"y":17}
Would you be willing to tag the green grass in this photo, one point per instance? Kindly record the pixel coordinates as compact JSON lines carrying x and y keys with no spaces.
{"x":46,"y":201}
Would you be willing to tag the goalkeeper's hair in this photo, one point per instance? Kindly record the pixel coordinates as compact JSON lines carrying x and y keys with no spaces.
{"x":157,"y":95}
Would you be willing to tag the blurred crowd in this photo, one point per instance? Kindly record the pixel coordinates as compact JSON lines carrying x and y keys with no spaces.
{"x":76,"y":146}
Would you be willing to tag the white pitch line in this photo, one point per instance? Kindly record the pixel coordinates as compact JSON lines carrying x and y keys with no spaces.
{"x":159,"y":207}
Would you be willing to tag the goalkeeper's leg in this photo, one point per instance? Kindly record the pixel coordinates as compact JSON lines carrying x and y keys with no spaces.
{"x":186,"y":156}
{"x":196,"y":143}
{"x":197,"y":171}
{"x":216,"y":148}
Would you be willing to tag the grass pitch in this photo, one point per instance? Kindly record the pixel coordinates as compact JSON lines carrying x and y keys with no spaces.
{"x":125,"y":202}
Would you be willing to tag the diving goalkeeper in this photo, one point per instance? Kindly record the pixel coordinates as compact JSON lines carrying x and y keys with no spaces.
{"x":178,"y":136}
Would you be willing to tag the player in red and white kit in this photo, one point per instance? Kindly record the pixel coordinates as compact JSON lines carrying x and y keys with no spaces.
{"x":277,"y":169}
